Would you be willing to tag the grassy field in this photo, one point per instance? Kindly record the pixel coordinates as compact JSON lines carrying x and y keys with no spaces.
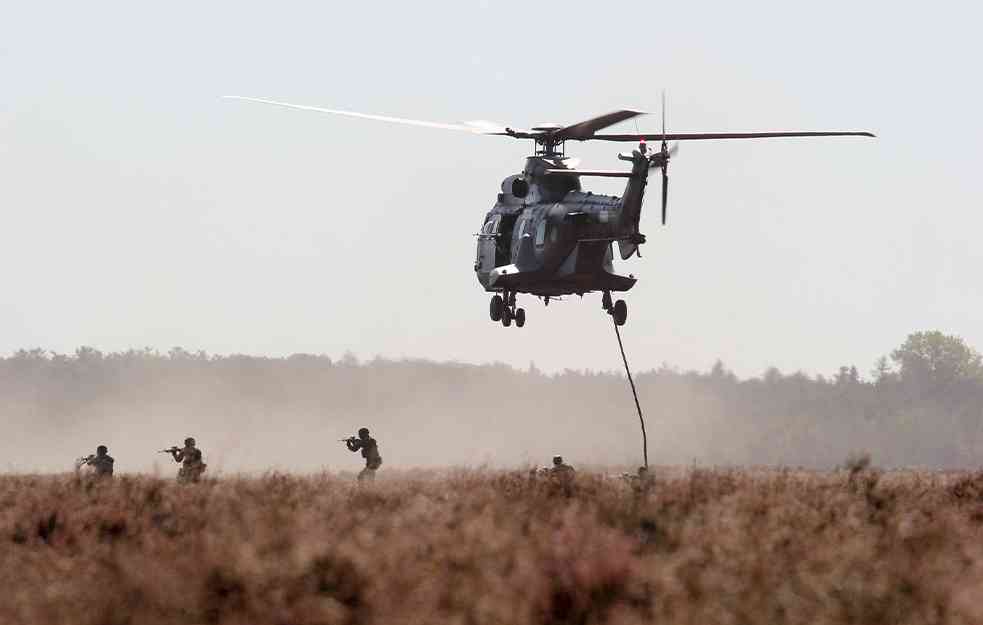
{"x":701,"y":547}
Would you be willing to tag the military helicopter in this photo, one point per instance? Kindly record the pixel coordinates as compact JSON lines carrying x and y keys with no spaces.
{"x":545,"y":236}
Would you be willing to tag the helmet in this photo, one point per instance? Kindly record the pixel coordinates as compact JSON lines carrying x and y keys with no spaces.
{"x":189,"y":442}
{"x":102,"y":449}
{"x":557,"y":459}
{"x":363,"y":431}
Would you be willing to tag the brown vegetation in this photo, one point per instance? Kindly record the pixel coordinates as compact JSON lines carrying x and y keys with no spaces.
{"x":702,"y":547}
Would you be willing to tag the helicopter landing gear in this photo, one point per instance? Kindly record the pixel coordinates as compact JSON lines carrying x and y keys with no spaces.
{"x":618,"y":310}
{"x":502,"y":308}
{"x":495,"y":308}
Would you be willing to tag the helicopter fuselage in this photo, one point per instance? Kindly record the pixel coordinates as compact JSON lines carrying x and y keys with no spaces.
{"x":546,"y":236}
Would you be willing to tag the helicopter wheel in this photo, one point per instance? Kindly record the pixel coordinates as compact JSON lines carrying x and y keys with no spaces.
{"x":495,"y":308}
{"x":520,"y":317}
{"x":620,"y":312}
{"x":506,"y":317}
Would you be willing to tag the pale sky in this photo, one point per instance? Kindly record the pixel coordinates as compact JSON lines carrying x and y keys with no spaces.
{"x":140,"y":209}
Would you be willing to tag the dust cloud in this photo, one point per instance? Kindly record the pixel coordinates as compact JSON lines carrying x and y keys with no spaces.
{"x":253,"y":414}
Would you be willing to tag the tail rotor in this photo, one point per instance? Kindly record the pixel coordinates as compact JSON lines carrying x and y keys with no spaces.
{"x":664,"y":153}
{"x":661,"y":158}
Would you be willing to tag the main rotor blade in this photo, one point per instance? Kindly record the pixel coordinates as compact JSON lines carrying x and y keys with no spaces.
{"x":586,"y":129}
{"x":601,"y":173}
{"x":689,"y":136}
{"x":478,"y":127}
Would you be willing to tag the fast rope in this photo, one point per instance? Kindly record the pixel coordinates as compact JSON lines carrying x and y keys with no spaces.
{"x":641,"y":419}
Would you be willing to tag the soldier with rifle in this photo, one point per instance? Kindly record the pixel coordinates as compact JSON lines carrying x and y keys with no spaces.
{"x":370,"y":451}
{"x":192,"y":465}
{"x":101,"y":463}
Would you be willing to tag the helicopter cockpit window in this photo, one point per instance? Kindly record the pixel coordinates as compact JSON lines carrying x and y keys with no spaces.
{"x":491,"y":226}
{"x":541,"y":233}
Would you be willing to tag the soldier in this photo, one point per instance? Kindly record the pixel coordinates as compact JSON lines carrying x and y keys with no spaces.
{"x":643,"y":481}
{"x":370,"y":451}
{"x":190,"y":458}
{"x":561,"y":470}
{"x":101,"y":463}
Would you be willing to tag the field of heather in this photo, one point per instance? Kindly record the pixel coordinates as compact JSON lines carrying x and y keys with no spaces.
{"x":700,"y":547}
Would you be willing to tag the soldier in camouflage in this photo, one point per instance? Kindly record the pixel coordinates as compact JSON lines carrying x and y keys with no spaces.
{"x":561,"y":470}
{"x":190,"y":458}
{"x":643,"y":481}
{"x":370,"y":451}
{"x":101,"y":463}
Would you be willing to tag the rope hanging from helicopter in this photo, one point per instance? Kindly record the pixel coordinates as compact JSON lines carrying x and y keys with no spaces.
{"x":634,"y":392}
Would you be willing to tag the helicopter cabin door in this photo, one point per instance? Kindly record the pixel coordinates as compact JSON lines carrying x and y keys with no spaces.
{"x":487,"y":241}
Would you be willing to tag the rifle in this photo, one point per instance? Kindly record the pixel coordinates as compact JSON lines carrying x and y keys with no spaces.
{"x":170,"y":450}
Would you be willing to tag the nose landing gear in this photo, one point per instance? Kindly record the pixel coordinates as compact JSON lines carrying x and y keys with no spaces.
{"x":502,"y":308}
{"x":618,"y":310}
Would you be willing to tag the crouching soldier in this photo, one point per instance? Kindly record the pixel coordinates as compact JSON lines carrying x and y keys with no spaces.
{"x":641,"y":482}
{"x":370,"y":451}
{"x":190,"y":458}
{"x":561,"y":470}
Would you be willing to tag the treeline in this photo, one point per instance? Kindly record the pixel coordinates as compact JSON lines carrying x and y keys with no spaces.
{"x":920,"y":405}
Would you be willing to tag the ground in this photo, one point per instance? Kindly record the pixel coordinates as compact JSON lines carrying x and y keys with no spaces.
{"x":699,"y":547}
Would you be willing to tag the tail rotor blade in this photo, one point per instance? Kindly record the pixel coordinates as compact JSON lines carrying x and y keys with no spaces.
{"x":663,"y":117}
{"x":665,"y":191}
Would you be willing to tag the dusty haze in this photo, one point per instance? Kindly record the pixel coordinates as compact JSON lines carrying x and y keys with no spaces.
{"x":921,"y":407}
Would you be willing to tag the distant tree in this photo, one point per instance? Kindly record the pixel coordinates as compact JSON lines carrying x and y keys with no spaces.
{"x":178,"y":353}
{"x":88,"y":354}
{"x":772,"y":376}
{"x":719,"y":370}
{"x":882,"y":372}
{"x":933,"y":360}
{"x":846,"y":376}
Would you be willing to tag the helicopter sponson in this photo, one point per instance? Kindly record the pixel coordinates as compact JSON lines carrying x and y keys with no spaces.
{"x":545,"y":235}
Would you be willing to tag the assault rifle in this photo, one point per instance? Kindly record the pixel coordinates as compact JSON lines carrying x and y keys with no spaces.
{"x":169,"y":450}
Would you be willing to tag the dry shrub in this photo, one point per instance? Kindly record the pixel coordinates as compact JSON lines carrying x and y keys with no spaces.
{"x":968,"y":487}
{"x":702,"y":546}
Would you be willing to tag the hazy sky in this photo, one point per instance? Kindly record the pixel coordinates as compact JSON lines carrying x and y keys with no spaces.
{"x":140,"y":209}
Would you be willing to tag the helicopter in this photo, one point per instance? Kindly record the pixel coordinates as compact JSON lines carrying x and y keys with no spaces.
{"x":545,"y":235}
